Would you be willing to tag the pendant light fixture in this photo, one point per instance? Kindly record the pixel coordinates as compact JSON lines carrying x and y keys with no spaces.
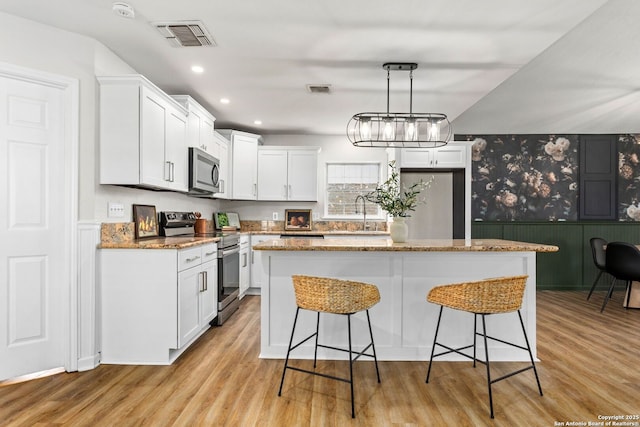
{"x":424,"y":130}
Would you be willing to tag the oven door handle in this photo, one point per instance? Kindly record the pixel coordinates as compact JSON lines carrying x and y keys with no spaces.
{"x":225,"y":252}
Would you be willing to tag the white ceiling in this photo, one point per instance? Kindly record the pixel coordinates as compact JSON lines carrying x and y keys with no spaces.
{"x":554,"y":64}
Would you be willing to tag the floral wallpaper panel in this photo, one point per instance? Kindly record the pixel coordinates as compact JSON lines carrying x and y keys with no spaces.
{"x":629,"y":177}
{"x":524,"y":177}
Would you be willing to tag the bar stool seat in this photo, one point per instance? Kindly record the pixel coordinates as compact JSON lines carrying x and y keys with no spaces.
{"x":335,"y":296}
{"x":482,"y":298}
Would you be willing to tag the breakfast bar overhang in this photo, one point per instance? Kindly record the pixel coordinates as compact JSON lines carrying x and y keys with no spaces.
{"x":403,"y":321}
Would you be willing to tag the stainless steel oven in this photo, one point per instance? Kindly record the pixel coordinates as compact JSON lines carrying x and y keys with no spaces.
{"x":228,"y":276}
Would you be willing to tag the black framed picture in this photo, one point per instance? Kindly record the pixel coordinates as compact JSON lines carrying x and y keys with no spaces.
{"x":297,"y":219}
{"x":146,"y":221}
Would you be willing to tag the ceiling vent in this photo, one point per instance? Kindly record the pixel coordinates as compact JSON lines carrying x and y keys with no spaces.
{"x":185,"y":33}
{"x":319,"y":88}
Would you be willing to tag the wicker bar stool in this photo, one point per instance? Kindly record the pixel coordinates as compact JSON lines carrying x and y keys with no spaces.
{"x":482,"y":298}
{"x":327,"y":295}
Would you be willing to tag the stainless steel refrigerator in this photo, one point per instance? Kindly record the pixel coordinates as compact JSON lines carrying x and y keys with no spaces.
{"x":433,"y":220}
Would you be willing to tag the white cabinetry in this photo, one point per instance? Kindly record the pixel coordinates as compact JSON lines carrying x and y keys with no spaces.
{"x":199,"y":124}
{"x":244,"y":164}
{"x":197,"y":291}
{"x":452,"y":155}
{"x":143,"y":135}
{"x":221,"y":152}
{"x":245,"y":265}
{"x":256,"y":264}
{"x":155,"y":302}
{"x":286,"y":173}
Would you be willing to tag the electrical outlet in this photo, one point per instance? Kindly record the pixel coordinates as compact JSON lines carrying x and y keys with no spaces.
{"x":316,"y":216}
{"x":275,"y":216}
{"x":115,"y":210}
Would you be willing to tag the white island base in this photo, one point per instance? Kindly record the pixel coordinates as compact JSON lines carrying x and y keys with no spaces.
{"x":403,"y":321}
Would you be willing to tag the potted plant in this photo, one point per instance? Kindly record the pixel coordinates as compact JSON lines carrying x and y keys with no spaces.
{"x":398,"y":201}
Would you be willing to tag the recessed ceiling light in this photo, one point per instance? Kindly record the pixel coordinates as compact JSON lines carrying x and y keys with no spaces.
{"x":257,"y":122}
{"x":224,"y":100}
{"x":197,"y":69}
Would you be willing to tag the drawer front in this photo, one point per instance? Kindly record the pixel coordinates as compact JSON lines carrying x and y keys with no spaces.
{"x":209,"y":252}
{"x":188,"y":258}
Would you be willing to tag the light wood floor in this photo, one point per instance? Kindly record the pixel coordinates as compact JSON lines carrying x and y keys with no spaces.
{"x":589,"y":366}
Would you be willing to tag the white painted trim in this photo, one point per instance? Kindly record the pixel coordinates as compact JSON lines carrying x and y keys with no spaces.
{"x":88,"y":297}
{"x":70,"y":87}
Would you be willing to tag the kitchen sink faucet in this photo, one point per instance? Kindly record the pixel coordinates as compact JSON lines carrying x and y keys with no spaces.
{"x":364,"y":211}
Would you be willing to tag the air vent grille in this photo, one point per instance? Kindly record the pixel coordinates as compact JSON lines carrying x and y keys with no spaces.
{"x":319,"y":88}
{"x":185,"y":33}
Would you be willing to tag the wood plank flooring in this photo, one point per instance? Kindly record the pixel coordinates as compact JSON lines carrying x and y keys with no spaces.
{"x":589,"y":366}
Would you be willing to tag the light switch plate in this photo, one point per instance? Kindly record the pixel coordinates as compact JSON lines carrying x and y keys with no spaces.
{"x":115,"y":210}
{"x":275,"y":216}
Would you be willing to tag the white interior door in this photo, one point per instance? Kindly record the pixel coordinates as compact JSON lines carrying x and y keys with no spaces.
{"x":34,"y":277}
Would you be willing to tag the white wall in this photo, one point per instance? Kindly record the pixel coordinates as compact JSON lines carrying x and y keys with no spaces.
{"x":332,"y":149}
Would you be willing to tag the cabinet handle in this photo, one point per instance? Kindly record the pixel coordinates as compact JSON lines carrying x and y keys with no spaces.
{"x":173,"y":171}
{"x":167,"y":171}
{"x":255,"y":189}
{"x":193,"y":258}
{"x":286,"y":192}
{"x":289,"y":195}
{"x":244,"y":260}
{"x":201,"y":281}
{"x":210,"y":253}
{"x":221,"y":182}
{"x":205,"y":281}
{"x":252,"y":256}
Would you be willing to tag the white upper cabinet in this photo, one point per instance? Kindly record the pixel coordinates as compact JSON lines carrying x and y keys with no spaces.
{"x":143,"y":135}
{"x":199,"y":124}
{"x":452,"y":155}
{"x":287,"y":173}
{"x":244,"y":164}
{"x":221,"y":152}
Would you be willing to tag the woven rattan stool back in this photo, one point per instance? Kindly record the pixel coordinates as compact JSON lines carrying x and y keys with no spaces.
{"x":334,"y":295}
{"x":495,"y":295}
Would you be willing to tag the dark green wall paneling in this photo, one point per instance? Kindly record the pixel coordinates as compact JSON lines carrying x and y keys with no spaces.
{"x":571,"y":268}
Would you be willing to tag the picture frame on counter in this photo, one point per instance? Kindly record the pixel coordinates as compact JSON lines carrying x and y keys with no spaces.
{"x":297,"y":219}
{"x":146,"y":221}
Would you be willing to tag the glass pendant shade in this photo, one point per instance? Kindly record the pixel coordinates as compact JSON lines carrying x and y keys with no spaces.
{"x":389,"y":131}
{"x":434,"y":131}
{"x":365,"y":129}
{"x":410,"y":130}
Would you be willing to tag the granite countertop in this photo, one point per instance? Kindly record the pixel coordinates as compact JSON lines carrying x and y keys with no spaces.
{"x":178,"y":242}
{"x":386,"y":245}
{"x":324,"y":233}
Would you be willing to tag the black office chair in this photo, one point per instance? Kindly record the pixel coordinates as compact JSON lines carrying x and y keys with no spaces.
{"x":623,"y":263}
{"x":599,"y":259}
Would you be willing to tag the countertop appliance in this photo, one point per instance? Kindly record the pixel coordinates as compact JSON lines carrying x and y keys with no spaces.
{"x":204,"y":173}
{"x":177,"y":223}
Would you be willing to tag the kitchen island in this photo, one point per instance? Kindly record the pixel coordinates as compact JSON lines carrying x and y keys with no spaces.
{"x":403,"y":321}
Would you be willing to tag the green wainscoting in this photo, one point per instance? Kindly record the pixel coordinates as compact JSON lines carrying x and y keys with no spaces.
{"x":571,"y":268}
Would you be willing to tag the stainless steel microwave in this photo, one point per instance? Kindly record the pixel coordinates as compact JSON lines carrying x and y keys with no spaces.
{"x":204,"y":173}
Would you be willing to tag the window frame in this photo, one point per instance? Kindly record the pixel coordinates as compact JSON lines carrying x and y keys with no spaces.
{"x":380,"y":215}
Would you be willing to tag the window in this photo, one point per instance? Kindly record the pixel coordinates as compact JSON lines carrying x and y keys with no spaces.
{"x":345,"y":182}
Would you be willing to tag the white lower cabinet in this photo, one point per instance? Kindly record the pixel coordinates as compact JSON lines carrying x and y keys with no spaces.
{"x":155,"y":302}
{"x":245,"y":266}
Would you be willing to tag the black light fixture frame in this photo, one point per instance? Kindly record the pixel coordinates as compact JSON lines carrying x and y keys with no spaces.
{"x":377,"y":129}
